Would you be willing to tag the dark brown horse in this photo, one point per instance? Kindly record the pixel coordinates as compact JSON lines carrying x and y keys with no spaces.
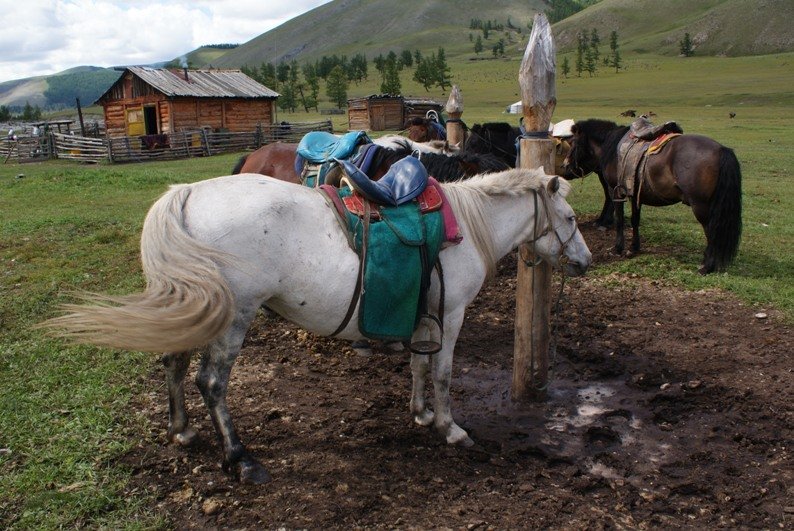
{"x":692,"y":169}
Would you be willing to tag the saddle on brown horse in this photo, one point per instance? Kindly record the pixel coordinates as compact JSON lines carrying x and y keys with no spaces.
{"x":642,"y":140}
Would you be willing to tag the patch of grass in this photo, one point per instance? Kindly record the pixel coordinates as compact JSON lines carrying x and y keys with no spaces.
{"x":65,"y":420}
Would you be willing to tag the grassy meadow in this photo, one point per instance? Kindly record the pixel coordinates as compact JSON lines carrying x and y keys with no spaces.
{"x":65,"y":418}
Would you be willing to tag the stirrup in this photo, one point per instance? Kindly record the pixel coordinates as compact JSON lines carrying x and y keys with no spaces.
{"x":620,"y":194}
{"x":427,"y":347}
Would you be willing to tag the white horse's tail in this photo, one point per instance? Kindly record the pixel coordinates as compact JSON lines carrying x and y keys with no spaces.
{"x":186,"y":303}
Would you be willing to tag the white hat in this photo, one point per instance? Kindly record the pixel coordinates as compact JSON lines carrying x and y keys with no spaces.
{"x":563,"y":128}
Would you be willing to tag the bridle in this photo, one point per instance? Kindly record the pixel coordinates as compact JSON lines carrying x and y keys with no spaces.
{"x":562,"y":259}
{"x":573,"y":155}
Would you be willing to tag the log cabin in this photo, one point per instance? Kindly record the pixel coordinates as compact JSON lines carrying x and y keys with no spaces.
{"x":375,"y":113}
{"x":155,"y":101}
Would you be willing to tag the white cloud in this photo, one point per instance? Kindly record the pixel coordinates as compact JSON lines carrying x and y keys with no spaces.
{"x":40,"y":37}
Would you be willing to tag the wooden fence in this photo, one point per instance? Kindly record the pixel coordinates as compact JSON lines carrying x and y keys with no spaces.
{"x":185,"y":144}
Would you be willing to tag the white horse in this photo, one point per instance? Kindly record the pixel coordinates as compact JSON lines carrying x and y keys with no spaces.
{"x":441,"y":147}
{"x":213,"y":252}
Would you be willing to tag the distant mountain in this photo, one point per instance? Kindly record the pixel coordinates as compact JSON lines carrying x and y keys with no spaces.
{"x":59,"y":90}
{"x":203,"y":57}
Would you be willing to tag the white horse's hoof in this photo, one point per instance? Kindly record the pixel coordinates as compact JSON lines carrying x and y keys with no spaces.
{"x":425,"y":418}
{"x":185,"y":438}
{"x":394,"y":346}
{"x":459,"y":437}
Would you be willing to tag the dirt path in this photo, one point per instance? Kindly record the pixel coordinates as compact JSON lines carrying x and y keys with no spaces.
{"x":668,"y":409}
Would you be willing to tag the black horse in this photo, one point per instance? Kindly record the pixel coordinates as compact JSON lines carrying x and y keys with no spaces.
{"x":692,"y":169}
{"x":497,"y":138}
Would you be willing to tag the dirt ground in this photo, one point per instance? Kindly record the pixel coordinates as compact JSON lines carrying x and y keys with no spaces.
{"x":668,"y":409}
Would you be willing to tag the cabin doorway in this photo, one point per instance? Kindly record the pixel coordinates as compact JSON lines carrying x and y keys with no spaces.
{"x":150,"y":119}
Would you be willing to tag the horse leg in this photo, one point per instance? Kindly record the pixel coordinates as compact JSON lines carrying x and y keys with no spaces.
{"x":607,"y":217}
{"x":635,"y":228}
{"x":701,"y":211}
{"x":620,"y":225}
{"x":420,"y":366}
{"x":176,"y":365}
{"x":442,"y":375}
{"x":213,"y":381}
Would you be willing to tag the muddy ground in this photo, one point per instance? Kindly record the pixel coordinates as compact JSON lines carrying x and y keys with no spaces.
{"x":668,"y":409}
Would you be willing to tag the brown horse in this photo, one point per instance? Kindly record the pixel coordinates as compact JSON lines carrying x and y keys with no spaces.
{"x":692,"y":169}
{"x":276,"y":159}
{"x":424,"y":130}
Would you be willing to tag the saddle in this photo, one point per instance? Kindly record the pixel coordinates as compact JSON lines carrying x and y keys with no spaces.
{"x":643,"y":129}
{"x":319,"y":146}
{"x":642,"y":140}
{"x":397,"y":229}
{"x":318,"y":154}
{"x":405,"y":180}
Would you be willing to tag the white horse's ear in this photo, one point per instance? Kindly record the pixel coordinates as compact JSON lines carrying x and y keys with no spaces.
{"x":553,"y":185}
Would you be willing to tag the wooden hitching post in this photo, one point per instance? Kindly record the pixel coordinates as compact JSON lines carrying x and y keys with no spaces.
{"x":454,"y":108}
{"x":533,"y":284}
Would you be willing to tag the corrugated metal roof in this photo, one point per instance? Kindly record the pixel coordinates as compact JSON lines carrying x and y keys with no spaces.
{"x":203,"y":83}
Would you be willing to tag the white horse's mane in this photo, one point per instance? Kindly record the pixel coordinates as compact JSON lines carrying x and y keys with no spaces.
{"x":467,"y":199}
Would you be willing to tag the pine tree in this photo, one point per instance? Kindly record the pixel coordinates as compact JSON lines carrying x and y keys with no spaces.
{"x":424,"y":73}
{"x":267,"y":75}
{"x":581,"y":45}
{"x":313,"y":83}
{"x":406,"y":58}
{"x":442,"y":75}
{"x":595,"y":41}
{"x":478,"y":45}
{"x":336,"y":88}
{"x":391,"y":77}
{"x":566,"y":67}
{"x":687,"y":49}
{"x":613,"y":46}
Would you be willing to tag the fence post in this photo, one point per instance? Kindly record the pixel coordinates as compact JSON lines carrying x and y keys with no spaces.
{"x":206,"y":142}
{"x":533,"y":283}
{"x":454,"y":108}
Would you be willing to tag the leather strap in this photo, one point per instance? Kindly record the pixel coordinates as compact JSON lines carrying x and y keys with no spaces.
{"x":362,"y":257}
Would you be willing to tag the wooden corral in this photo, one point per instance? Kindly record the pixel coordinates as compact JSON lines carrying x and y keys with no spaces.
{"x":375,"y":113}
{"x":149,"y":101}
{"x":418,"y":108}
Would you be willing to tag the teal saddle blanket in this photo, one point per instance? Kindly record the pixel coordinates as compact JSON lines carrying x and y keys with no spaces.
{"x":401,"y":250}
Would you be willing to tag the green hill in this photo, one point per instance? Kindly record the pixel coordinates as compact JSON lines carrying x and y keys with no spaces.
{"x":378,"y":26}
{"x":717,"y":27}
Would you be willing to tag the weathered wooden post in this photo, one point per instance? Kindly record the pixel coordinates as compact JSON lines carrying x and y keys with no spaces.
{"x":533,"y":290}
{"x":454,"y":108}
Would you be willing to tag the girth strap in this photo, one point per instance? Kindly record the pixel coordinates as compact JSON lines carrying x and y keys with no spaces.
{"x":362,"y":258}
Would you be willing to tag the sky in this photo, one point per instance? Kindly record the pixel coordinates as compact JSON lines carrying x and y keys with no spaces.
{"x":42,"y":37}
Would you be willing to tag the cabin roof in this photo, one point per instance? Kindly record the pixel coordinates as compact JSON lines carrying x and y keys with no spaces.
{"x":201,"y":83}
